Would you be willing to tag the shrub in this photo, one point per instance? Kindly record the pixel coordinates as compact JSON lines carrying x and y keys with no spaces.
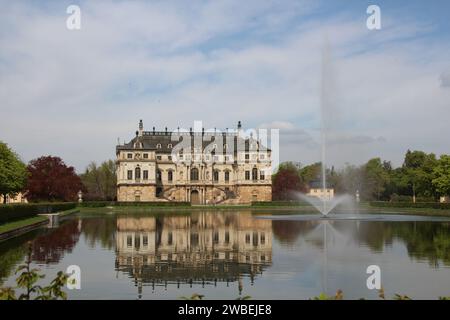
{"x":426,"y":205}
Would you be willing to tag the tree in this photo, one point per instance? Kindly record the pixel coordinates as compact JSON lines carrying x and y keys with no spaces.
{"x":100,"y":181}
{"x":375,"y":178}
{"x":13,"y":173}
{"x":286,"y":180}
{"x":311,"y":172}
{"x":418,"y":173}
{"x":51,"y":179}
{"x":442,"y":176}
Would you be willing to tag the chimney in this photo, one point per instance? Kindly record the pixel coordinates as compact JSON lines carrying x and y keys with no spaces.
{"x":239,"y":125}
{"x":141,"y":128}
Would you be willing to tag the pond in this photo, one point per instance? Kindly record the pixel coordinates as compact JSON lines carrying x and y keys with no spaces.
{"x":224,"y":254}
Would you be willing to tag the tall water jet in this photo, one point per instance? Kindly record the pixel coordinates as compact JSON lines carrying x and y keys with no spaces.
{"x":324,"y":203}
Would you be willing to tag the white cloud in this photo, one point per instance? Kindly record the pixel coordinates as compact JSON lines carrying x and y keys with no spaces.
{"x":73,"y":93}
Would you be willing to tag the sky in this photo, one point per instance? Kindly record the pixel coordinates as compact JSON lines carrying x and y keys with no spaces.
{"x":74,"y":93}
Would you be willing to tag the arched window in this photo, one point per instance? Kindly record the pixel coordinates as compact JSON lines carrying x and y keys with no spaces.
{"x":227,"y":176}
{"x":158,"y":146}
{"x":137,"y":173}
{"x":254,"y":174}
{"x":216,"y":175}
{"x":170,"y":176}
{"x":169,"y":146}
{"x":194,"y":174}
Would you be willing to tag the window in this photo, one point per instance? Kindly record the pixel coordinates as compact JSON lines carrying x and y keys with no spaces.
{"x":170,"y":176}
{"x":216,"y":175}
{"x":158,"y":157}
{"x":263,"y":238}
{"x":129,"y":241}
{"x":247,"y":156}
{"x":145,"y":174}
{"x":227,"y":237}
{"x":261,"y":175}
{"x":216,"y":238}
{"x":194,"y":174}
{"x":130,"y":174}
{"x":137,"y":242}
{"x":247,"y":175}
{"x":137,"y":173}
{"x":130,"y":156}
{"x":158,"y":146}
{"x":255,"y":174}
{"x":145,"y":155}
{"x":170,"y":238}
{"x":247,"y":238}
{"x":227,"y":176}
{"x":169,"y":157}
{"x":145,"y":241}
{"x":169,"y":146}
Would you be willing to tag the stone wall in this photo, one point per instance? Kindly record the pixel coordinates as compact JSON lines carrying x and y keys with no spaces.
{"x":129,"y":193}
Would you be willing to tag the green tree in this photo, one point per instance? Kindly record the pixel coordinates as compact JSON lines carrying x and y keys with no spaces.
{"x":13,"y":172}
{"x":418,"y":173}
{"x":100,"y":181}
{"x":311,"y":172}
{"x":376,"y":177}
{"x":441,"y":182}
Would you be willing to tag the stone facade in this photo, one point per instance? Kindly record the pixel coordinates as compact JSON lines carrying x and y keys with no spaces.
{"x":197,"y":167}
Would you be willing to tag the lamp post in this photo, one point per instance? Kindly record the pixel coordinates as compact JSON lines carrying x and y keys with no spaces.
{"x":80,"y":196}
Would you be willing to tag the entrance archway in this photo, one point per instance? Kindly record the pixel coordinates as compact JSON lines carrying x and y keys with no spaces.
{"x":195,"y":197}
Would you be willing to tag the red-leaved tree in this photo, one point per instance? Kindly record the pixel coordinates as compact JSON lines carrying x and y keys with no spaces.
{"x":285,"y":182}
{"x":50,"y":179}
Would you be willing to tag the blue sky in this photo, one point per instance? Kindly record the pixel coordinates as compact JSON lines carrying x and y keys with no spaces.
{"x":73,"y":93}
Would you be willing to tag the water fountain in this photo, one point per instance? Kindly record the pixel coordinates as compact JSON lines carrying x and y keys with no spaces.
{"x":323,"y":203}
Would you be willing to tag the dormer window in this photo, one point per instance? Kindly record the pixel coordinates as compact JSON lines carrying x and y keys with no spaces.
{"x":158,"y":146}
{"x":169,"y":146}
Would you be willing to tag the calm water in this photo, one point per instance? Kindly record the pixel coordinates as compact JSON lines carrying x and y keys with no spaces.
{"x":226,"y":254}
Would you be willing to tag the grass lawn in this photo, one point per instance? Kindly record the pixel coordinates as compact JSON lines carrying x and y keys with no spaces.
{"x":20,"y":223}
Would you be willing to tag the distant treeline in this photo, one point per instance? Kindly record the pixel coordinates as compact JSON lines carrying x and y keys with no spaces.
{"x":422,"y":178}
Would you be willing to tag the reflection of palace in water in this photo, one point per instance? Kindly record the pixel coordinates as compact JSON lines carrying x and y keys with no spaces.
{"x":200,"y":248}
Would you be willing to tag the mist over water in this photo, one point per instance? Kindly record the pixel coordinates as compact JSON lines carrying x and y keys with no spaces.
{"x":325,"y":206}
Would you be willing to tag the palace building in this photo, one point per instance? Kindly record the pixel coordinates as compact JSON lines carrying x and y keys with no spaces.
{"x":201,"y":167}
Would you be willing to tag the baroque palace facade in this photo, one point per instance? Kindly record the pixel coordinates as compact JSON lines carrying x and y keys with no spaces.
{"x":201,"y":167}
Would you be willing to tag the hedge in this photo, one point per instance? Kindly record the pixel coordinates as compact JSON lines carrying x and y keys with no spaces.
{"x":152,"y":203}
{"x":426,"y":205}
{"x":96,"y":204}
{"x":279,"y":203}
{"x":12,"y":212}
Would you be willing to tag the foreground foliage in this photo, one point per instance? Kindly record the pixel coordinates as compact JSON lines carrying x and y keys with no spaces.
{"x":27,"y":282}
